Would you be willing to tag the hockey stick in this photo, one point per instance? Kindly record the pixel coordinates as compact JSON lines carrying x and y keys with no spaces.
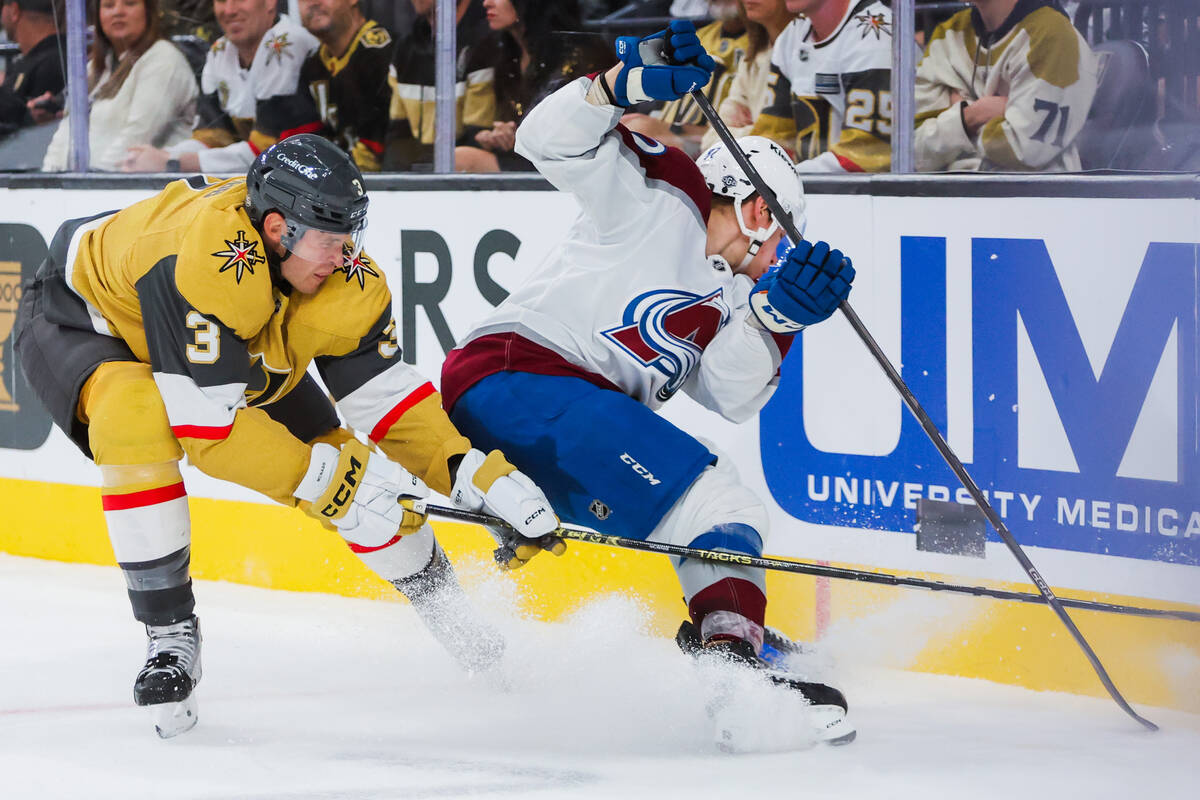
{"x":918,"y":412}
{"x":579,"y":534}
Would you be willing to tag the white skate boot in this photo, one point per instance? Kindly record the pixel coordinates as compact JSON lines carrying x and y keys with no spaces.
{"x":167,"y":681}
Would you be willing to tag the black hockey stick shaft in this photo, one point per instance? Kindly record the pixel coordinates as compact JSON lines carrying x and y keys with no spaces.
{"x":918,"y":412}
{"x":579,"y":534}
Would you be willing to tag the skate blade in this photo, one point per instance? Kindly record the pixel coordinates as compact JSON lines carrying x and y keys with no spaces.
{"x":790,"y":726}
{"x":172,"y":719}
{"x":831,"y":725}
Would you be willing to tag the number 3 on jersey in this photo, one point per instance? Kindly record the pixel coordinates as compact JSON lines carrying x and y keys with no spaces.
{"x":206,"y":348}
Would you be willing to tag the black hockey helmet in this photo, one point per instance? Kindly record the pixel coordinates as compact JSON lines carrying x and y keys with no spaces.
{"x":313,"y":184}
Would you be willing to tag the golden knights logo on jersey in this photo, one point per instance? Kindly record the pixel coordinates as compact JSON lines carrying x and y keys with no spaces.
{"x":277,"y":47}
{"x":240,"y":255}
{"x":267,"y":383}
{"x":358,"y":266}
{"x":869,"y":23}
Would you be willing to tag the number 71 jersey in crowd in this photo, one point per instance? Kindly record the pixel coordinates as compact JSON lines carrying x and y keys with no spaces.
{"x":629,"y":301}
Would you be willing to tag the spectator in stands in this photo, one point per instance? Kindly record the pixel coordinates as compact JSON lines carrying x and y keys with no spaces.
{"x":249,"y":77}
{"x":38,"y":72}
{"x":750,"y":91}
{"x":1005,"y":85}
{"x":140,"y":87}
{"x":832,"y":80}
{"x":344,"y":91}
{"x":680,"y":123}
{"x":411,"y":130}
{"x":529,"y":55}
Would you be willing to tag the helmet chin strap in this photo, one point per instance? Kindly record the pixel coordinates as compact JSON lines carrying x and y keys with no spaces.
{"x":756,"y":237}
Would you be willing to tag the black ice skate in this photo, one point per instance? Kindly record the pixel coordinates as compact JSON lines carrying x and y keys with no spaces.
{"x":440,"y":602}
{"x":826,"y":707}
{"x":165,"y":685}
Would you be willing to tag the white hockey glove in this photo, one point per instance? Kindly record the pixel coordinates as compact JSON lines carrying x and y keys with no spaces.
{"x":368,"y":498}
{"x":491,"y":484}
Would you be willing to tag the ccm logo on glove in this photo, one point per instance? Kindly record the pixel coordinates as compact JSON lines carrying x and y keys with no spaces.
{"x":336,"y":506}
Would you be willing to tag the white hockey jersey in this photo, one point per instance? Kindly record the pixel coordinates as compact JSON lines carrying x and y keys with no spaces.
{"x":629,"y":301}
{"x":234,"y":101}
{"x":831,"y":100}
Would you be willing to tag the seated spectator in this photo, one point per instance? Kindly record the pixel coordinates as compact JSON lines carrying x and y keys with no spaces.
{"x":680,"y":123}
{"x":38,"y":73}
{"x":411,"y":129}
{"x":250,"y":75}
{"x":750,"y":91}
{"x":1005,"y":85}
{"x":344,"y":91}
{"x":529,"y":56}
{"x":831,"y":70}
{"x":140,"y":87}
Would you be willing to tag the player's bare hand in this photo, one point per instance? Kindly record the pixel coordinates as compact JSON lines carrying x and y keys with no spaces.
{"x":145,"y":158}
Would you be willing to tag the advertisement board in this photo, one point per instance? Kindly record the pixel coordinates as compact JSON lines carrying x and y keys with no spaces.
{"x":1054,"y":340}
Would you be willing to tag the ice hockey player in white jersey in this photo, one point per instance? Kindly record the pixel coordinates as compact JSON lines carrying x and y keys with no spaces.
{"x":831,"y":75}
{"x":661,"y":286}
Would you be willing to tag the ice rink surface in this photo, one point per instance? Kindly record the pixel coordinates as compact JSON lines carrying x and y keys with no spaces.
{"x":319,"y":697}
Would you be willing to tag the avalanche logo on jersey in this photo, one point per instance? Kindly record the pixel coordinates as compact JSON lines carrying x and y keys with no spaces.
{"x":241,"y":255}
{"x":667,"y":330}
{"x":357,"y":267}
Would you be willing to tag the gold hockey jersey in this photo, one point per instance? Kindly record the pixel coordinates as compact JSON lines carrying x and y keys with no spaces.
{"x":1037,"y":60}
{"x":183,"y":279}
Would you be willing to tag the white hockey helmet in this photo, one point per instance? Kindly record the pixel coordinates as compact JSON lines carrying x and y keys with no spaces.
{"x":726,"y":179}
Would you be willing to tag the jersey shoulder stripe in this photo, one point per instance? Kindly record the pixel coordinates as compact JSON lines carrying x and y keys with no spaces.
{"x":670,"y":165}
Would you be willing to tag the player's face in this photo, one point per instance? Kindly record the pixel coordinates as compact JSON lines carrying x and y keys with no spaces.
{"x":500,"y":14}
{"x":313,"y":259}
{"x":244,"y":21}
{"x":123,"y":22}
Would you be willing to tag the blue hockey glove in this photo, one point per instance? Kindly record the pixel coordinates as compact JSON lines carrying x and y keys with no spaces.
{"x":663,"y":66}
{"x":804,"y":288}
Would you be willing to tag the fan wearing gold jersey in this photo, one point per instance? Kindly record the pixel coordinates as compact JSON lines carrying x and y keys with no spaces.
{"x":185,"y":323}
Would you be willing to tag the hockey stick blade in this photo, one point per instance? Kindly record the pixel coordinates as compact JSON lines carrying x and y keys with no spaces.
{"x":935,"y":436}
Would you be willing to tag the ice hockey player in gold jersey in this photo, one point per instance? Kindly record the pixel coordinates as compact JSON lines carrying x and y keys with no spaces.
{"x":185,"y":323}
